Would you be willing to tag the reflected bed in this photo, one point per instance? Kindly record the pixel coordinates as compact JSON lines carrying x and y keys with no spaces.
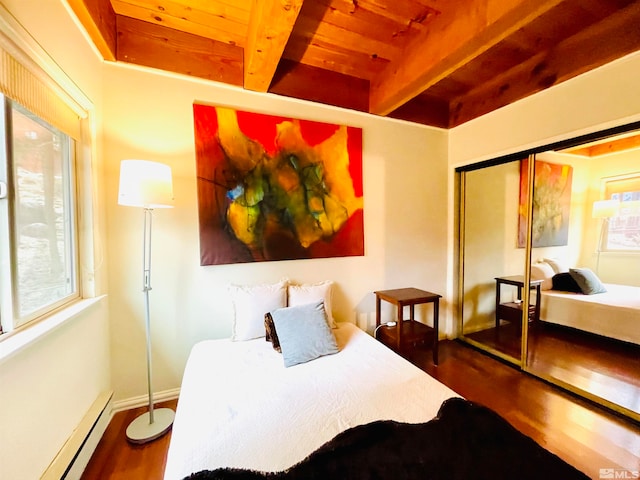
{"x":614,"y":314}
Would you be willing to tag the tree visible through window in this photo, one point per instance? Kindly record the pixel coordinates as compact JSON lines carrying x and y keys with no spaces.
{"x":44,"y":124}
{"x":41,"y":216}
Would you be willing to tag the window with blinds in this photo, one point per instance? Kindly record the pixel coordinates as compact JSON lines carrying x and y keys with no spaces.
{"x":41,"y":129}
{"x":623,"y":229}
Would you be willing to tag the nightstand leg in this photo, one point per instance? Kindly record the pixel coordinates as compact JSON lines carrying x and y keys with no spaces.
{"x":436,"y":329}
{"x":399,"y":326}
{"x":497,"y":304}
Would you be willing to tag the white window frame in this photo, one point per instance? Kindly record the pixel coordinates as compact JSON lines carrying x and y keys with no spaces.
{"x":15,"y":39}
{"x":608,"y":189}
{"x":11,"y":314}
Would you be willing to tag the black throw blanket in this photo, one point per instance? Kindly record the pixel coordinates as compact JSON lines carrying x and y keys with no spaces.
{"x":464,"y":441}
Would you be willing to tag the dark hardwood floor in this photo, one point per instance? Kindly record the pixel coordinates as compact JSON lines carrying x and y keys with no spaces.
{"x":583,"y":434}
{"x":117,"y":459}
{"x":601,"y":366}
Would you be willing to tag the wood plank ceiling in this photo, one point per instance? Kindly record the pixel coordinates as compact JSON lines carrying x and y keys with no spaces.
{"x":434,"y":62}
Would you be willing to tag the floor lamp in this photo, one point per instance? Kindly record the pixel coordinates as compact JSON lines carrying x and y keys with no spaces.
{"x":604,"y":209}
{"x":147,"y":185}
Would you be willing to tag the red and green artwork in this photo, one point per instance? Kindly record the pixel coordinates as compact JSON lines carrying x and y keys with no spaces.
{"x":551,"y":204}
{"x":276,"y":188}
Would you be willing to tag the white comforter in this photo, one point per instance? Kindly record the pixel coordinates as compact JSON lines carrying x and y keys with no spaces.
{"x":614,"y":314}
{"x":239,"y":406}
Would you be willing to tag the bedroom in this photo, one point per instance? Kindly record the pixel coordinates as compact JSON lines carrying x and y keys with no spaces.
{"x":141,"y":113}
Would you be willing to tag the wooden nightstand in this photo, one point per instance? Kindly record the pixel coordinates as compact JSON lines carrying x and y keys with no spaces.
{"x":512,"y":311}
{"x":408,"y":333}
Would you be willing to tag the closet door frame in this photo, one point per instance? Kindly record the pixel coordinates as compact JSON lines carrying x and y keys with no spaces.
{"x":460,"y":177}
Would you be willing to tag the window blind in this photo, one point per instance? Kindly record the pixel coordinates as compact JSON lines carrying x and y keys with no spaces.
{"x":622,"y":185}
{"x":31,"y":87}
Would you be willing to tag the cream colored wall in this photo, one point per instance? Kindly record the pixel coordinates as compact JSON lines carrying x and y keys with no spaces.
{"x":584,"y":231}
{"x":603,"y":98}
{"x":491,"y":232}
{"x":47,"y":388}
{"x":492,"y":240}
{"x":615,"y":267}
{"x":149,"y":115}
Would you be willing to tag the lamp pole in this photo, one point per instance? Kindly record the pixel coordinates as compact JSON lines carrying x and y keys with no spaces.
{"x":148,"y":185}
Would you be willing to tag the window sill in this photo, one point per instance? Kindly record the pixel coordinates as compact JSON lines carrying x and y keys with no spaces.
{"x":13,"y":342}
{"x":620,"y":253}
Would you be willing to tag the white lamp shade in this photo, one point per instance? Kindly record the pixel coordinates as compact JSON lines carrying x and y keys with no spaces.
{"x":145,"y":184}
{"x":605,"y":208}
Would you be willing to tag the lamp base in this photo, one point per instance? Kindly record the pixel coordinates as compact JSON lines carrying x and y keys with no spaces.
{"x":141,"y":431}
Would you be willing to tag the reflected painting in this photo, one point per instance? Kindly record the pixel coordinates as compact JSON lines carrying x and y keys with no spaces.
{"x":276,"y":188}
{"x":551,"y":204}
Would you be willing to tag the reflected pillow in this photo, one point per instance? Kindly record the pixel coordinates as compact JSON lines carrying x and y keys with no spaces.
{"x":587,"y":280}
{"x":304,"y":333}
{"x":543,"y":271}
{"x":565,"y":283}
{"x":558,"y":265}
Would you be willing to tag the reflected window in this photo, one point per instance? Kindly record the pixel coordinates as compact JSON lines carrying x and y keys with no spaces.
{"x":623,"y":228}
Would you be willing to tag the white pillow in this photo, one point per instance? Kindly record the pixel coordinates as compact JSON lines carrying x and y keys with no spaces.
{"x":558,"y":265}
{"x":543,"y":271}
{"x":311,"y":293}
{"x":250,"y":303}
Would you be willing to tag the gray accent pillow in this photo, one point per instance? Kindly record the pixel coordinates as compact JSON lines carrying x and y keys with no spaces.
{"x":588,"y":281}
{"x":304,"y":333}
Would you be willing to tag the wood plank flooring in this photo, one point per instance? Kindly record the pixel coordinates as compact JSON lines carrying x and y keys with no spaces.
{"x":588,"y":437}
{"x":601,"y":366}
{"x":117,"y":459}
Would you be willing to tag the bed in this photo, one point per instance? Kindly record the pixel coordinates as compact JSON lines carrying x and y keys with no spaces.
{"x":361,"y":413}
{"x":217,"y":423}
{"x":614,"y":314}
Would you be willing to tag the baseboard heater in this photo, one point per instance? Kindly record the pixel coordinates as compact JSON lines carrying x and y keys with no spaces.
{"x":75,"y":454}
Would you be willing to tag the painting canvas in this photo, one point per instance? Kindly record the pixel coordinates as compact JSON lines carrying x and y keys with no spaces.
{"x":551,"y":204}
{"x":276,"y":188}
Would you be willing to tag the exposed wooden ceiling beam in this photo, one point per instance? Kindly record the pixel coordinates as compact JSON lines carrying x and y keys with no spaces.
{"x":297,"y":80}
{"x":99,"y":20}
{"x":453,"y":40}
{"x":270,"y":26}
{"x":424,"y":109}
{"x":605,"y":41}
{"x":144,"y":43}
{"x":215,"y":20}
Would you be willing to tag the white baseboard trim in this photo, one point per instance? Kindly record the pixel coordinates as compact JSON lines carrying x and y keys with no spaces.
{"x":143,"y":400}
{"x":75,"y":454}
{"x":79,"y":447}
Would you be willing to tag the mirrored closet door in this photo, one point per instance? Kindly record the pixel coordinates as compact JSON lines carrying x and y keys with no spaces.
{"x":588,"y":339}
{"x":575,"y":243}
{"x":493,"y":270}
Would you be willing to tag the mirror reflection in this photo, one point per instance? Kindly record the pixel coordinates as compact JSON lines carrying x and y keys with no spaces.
{"x":589,"y":331}
{"x":582,"y":324}
{"x":492,"y":264}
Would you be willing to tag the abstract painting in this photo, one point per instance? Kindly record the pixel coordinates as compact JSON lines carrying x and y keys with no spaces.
{"x":551,"y":204}
{"x":276,"y":188}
